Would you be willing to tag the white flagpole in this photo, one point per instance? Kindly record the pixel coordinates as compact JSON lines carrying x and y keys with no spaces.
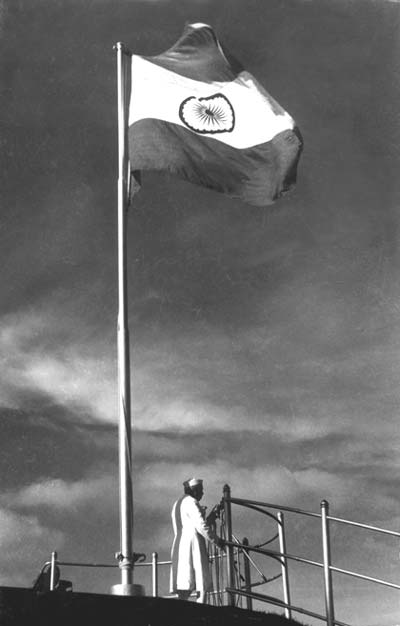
{"x":126,"y":555}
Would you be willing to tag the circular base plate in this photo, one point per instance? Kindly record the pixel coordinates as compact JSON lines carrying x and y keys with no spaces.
{"x":127,"y":590}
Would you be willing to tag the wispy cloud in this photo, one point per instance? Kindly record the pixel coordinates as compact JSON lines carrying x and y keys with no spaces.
{"x":204,"y":383}
{"x":34,"y":359}
{"x":61,"y":495}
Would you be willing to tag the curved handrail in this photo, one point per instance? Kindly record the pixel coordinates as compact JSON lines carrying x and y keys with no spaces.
{"x":274,"y":553}
{"x":266,"y":543}
{"x":255,"y":508}
{"x":283,"y":556}
{"x":277,"y":602}
{"x":278,"y":507}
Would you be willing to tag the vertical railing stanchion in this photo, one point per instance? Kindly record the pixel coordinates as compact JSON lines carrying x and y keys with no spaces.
{"x":238,"y":572}
{"x":330,"y":615}
{"x":229,"y":547}
{"x":215,"y":558}
{"x":247,"y":575}
{"x":154,"y":574}
{"x":284,"y":564}
{"x":53,"y":571}
{"x":221,"y":577}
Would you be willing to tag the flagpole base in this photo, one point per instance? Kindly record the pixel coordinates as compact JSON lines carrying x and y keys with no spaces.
{"x":127,"y":590}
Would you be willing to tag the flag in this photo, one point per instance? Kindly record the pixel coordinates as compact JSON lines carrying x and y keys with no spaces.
{"x":196,"y":113}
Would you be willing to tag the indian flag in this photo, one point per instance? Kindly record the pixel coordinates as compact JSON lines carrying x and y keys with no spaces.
{"x":195,"y":112}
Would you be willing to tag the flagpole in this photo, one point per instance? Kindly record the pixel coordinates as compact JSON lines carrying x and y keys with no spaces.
{"x":126,"y":555}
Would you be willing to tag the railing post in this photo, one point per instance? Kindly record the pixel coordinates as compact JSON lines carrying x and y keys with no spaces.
{"x":217,"y":560}
{"x":229,"y":547}
{"x":247,"y":575}
{"x":330,"y":615}
{"x":154,"y":573}
{"x":284,"y":564}
{"x":53,"y":571}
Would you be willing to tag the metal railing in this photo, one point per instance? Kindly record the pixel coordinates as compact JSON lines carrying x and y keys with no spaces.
{"x":54,"y":563}
{"x":284,"y":557}
{"x":231,"y":567}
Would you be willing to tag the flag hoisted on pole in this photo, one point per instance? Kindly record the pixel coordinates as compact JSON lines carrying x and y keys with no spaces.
{"x":195,"y":112}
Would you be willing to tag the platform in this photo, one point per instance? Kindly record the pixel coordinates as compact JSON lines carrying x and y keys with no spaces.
{"x":25,"y":607}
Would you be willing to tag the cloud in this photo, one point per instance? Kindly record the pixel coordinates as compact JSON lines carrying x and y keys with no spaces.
{"x":61,"y":495}
{"x":35,"y":358}
{"x":25,"y":544}
{"x":271,"y":483}
{"x":84,"y":513}
{"x":203,"y":383}
{"x":157,"y":485}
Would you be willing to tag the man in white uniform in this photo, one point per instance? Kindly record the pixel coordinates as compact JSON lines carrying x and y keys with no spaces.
{"x":190,"y":568}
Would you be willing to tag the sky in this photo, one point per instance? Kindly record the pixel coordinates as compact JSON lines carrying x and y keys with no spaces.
{"x":264,"y":342}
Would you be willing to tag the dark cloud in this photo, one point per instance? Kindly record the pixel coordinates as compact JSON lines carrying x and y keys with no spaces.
{"x":45,"y":442}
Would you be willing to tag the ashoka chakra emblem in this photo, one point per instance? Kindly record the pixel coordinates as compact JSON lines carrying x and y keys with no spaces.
{"x":214,"y":114}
